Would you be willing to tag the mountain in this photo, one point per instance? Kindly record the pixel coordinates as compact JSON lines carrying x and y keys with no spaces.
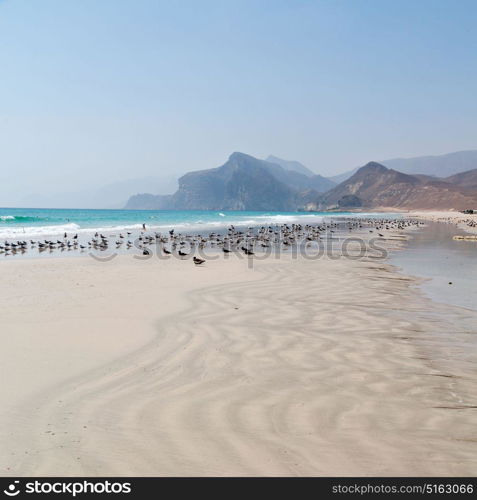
{"x":436,"y":166}
{"x":247,"y":183}
{"x":146,"y":201}
{"x":376,"y":186}
{"x":242,"y":183}
{"x":337,"y":179}
{"x":298,"y":176}
{"x":467,"y":180}
{"x":294,"y":166}
{"x":298,"y":181}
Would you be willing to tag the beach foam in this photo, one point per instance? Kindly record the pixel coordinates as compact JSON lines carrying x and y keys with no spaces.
{"x":36,"y":231}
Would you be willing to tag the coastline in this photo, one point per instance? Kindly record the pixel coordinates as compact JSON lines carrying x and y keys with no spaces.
{"x":295,"y":367}
{"x":444,"y":255}
{"x":465,"y":222}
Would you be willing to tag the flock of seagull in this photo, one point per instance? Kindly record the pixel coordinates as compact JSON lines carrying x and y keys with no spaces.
{"x":232,"y":240}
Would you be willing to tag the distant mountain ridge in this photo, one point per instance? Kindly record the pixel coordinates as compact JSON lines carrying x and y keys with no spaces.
{"x":298,"y":176}
{"x":147,"y":201}
{"x":291,"y":165}
{"x":376,"y":186}
{"x":437,"y":165}
{"x":248,"y":183}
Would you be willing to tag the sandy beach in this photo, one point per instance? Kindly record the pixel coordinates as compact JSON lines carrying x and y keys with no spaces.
{"x":295,"y":367}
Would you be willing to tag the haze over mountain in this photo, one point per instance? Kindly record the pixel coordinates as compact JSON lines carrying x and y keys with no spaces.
{"x":113,"y":195}
{"x":438,"y":165}
{"x":298,"y":176}
{"x":342,"y":177}
{"x":247,"y":183}
{"x":292,"y":165}
{"x":237,"y":184}
{"x":293,"y":174}
{"x":242,"y":183}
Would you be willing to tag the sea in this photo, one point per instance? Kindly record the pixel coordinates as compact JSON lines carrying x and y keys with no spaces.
{"x":36,"y":223}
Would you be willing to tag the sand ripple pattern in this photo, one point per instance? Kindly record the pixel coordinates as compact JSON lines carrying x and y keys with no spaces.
{"x":298,"y":373}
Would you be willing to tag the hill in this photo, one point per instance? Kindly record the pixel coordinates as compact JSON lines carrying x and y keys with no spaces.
{"x":376,"y":186}
{"x":467,"y":180}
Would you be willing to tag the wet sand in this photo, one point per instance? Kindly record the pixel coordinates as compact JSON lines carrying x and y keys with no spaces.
{"x":448,"y":265}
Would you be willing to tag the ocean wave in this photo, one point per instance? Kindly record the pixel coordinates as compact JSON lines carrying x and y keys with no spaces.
{"x":254,"y":221}
{"x":35,"y":231}
{"x":22,"y":218}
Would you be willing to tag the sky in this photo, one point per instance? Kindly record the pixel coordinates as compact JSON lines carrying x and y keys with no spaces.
{"x":94,"y":92}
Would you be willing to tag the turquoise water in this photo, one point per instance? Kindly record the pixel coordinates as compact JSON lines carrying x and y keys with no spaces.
{"x":35,"y":222}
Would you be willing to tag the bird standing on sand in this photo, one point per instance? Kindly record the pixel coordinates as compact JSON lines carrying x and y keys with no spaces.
{"x":198,"y":261}
{"x":246,"y":251}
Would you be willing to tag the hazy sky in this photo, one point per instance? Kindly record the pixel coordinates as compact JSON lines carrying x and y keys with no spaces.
{"x":96,"y":91}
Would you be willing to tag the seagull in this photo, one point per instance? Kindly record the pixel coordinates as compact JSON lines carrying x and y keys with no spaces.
{"x":247,"y":251}
{"x":198,"y":261}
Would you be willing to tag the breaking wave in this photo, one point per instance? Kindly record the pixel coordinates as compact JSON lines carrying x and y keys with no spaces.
{"x":21,"y":218}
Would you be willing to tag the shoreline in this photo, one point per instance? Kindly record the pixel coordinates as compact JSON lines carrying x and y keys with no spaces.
{"x":108,"y":246}
{"x":444,"y":256}
{"x":465,"y":222}
{"x":321,"y":367}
